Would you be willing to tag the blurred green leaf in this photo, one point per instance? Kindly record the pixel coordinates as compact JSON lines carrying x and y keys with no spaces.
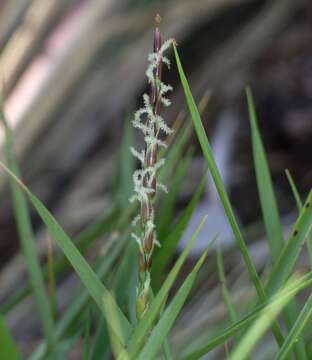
{"x":225,"y":292}
{"x":86,"y":336}
{"x":165,"y":218}
{"x":174,"y":152}
{"x":294,"y":190}
{"x":166,"y":321}
{"x":8,"y":348}
{"x":126,"y":165}
{"x":168,"y":247}
{"x":100,"y":346}
{"x":82,"y":296}
{"x":230,"y":331}
{"x":93,"y":231}
{"x":284,"y":265}
{"x":263,"y":321}
{"x":303,"y":319}
{"x":265,"y":187}
{"x":145,"y":324}
{"x":299,"y":205}
{"x":26,"y":237}
{"x":114,"y":326}
{"x":91,"y":281}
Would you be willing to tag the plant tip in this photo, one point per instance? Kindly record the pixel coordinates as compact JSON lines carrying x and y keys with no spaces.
{"x":157,"y":19}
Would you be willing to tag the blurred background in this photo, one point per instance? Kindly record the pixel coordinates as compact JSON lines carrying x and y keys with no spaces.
{"x":73,"y":72}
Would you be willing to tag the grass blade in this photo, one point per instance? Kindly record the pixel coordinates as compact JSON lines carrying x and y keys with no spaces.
{"x":100,"y":345}
{"x":167,"y":350}
{"x":294,"y":190}
{"x":270,"y":210}
{"x":114,"y":326}
{"x":126,"y":165}
{"x":263,"y":322}
{"x":288,"y":257}
{"x":145,"y":324}
{"x":93,"y":231}
{"x":225,"y":292}
{"x":303,"y":319}
{"x":207,"y":151}
{"x":166,"y":321}
{"x":165,"y":218}
{"x":26,"y":236}
{"x":226,"y":295}
{"x":174,"y":152}
{"x":240,"y":325}
{"x":299,"y":206}
{"x":265,"y":187}
{"x":91,"y":281}
{"x":86,"y":336}
{"x":81,"y":299}
{"x":168,"y":247}
{"x":8,"y":348}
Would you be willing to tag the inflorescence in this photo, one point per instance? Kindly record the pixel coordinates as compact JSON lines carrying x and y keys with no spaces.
{"x":150,"y":122}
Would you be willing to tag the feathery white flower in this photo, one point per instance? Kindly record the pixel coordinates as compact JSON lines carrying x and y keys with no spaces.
{"x":137,"y":154}
{"x":152,"y":125}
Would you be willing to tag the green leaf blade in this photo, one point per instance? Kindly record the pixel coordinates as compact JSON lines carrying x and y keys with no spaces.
{"x":8,"y":348}
{"x":166,"y":321}
{"x":303,"y":319}
{"x":145,"y":324}
{"x":26,"y":237}
{"x":240,"y":325}
{"x":263,"y":322}
{"x":289,"y":255}
{"x":265,"y":187}
{"x":91,"y":281}
{"x":207,"y":151}
{"x":269,"y":209}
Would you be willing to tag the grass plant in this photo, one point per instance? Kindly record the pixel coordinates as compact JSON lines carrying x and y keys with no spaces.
{"x":131,"y":297}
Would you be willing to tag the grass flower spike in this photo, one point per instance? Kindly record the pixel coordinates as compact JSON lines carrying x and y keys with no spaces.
{"x":149,"y":121}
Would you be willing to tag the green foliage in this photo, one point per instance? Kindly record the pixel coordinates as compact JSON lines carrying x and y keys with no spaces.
{"x":162,"y":328}
{"x":111,"y":328}
{"x":144,"y":326}
{"x":265,"y":186}
{"x":303,"y":319}
{"x":8,"y":348}
{"x":269,"y":210}
{"x":264,"y":320}
{"x":207,"y":151}
{"x":230,"y":331}
{"x":169,"y":245}
{"x":26,"y":236}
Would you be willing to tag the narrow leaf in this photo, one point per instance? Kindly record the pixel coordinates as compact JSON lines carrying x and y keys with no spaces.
{"x":294,"y":190}
{"x":92,"y":232}
{"x":207,"y":151}
{"x":230,"y":331}
{"x":165,"y":216}
{"x":26,"y":236}
{"x":165,"y":253}
{"x":263,"y":322}
{"x":166,"y":321}
{"x":270,"y":210}
{"x":289,"y":255}
{"x":96,"y":289}
{"x":303,"y":319}
{"x":265,"y":187}
{"x":225,"y":292}
{"x":8,"y":348}
{"x":145,"y":324}
{"x":82,"y":296}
